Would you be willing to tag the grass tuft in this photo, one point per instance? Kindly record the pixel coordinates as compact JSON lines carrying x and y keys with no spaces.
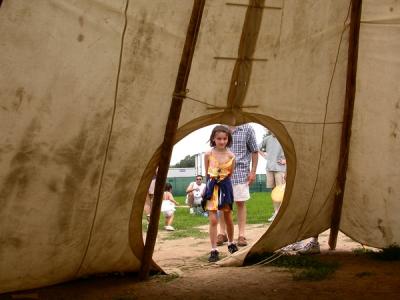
{"x":316,"y":273}
{"x":310,"y":268}
{"x":390,"y":253}
{"x":302,"y":267}
{"x":361,"y":251}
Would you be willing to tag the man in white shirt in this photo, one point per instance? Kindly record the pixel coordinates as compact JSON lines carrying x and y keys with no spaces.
{"x":194,"y":193}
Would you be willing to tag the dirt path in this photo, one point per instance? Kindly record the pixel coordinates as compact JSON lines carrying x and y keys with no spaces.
{"x":178,"y":255}
{"x":192,"y":277}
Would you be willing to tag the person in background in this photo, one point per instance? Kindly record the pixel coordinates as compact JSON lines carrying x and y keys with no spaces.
{"x":272,"y":151}
{"x":244,"y":146}
{"x":195,"y":192}
{"x":168,"y":207}
{"x":219,"y":163}
{"x":149,"y":197}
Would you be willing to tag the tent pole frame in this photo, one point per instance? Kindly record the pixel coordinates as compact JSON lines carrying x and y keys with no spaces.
{"x":170,"y":134}
{"x":356,"y":8}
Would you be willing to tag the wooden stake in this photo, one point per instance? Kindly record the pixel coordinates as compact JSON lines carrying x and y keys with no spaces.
{"x":356,"y":8}
{"x":170,"y":133}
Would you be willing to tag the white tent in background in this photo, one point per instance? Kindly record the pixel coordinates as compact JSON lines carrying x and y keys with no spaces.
{"x":86,"y":88}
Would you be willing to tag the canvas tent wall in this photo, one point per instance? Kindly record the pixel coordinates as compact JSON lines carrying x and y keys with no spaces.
{"x":85,"y":90}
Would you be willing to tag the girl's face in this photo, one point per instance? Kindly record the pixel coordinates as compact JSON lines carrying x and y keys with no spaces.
{"x":220,"y":140}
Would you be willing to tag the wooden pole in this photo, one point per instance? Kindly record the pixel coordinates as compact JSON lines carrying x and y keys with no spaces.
{"x":356,"y":8}
{"x":170,"y":133}
{"x":241,"y":73}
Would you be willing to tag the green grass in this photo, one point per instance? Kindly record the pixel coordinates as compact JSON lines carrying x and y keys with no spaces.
{"x":310,"y":267}
{"x":390,"y":253}
{"x":302,"y":267}
{"x":361,"y":251}
{"x":259,"y":209}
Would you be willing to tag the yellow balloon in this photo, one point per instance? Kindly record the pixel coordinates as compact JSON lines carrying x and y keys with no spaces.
{"x":278,"y":192}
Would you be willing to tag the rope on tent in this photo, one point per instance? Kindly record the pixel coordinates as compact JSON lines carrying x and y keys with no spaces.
{"x":253,"y":6}
{"x":209,"y":106}
{"x":241,"y":59}
{"x":270,"y":259}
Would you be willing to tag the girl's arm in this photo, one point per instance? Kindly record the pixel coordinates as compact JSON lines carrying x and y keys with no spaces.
{"x":233,"y":165}
{"x":171,"y":198}
{"x":206,"y":163}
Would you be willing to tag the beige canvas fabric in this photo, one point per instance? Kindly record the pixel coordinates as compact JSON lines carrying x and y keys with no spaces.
{"x":58,"y":73}
{"x":67,"y":184}
{"x":296,"y":90}
{"x":372,"y":199}
{"x":85,"y":91}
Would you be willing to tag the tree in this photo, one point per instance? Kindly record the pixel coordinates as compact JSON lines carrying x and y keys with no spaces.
{"x":187,"y":162}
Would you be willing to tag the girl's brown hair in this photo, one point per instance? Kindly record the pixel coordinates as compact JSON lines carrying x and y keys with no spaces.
{"x":168,"y":187}
{"x":220,"y":128}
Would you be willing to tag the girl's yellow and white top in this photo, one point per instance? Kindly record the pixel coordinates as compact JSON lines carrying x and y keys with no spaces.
{"x":217,"y":171}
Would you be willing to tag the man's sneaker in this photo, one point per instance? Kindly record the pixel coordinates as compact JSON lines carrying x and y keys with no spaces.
{"x":214,"y":256}
{"x":221,"y":239}
{"x":232,"y":248}
{"x":294,"y":247}
{"x":169,"y":228}
{"x":242,"y":241}
{"x":310,"y":248}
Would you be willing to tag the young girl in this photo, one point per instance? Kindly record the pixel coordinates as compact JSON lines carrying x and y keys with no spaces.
{"x":219,"y":163}
{"x":168,"y":207}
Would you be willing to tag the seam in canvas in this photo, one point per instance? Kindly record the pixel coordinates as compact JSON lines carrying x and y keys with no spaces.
{"x":323,"y":127}
{"x":108,"y":139}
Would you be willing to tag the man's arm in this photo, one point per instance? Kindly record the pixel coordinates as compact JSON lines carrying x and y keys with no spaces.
{"x":253,"y":147}
{"x":190,"y":188}
{"x":254,"y":161}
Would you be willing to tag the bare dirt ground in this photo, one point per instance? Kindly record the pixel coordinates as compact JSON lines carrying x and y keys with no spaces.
{"x":190,"y":276}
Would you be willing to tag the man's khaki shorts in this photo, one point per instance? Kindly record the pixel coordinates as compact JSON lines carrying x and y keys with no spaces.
{"x":275,"y":178}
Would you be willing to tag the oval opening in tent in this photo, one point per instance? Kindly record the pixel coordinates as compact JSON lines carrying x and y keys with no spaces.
{"x":190,"y":223}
